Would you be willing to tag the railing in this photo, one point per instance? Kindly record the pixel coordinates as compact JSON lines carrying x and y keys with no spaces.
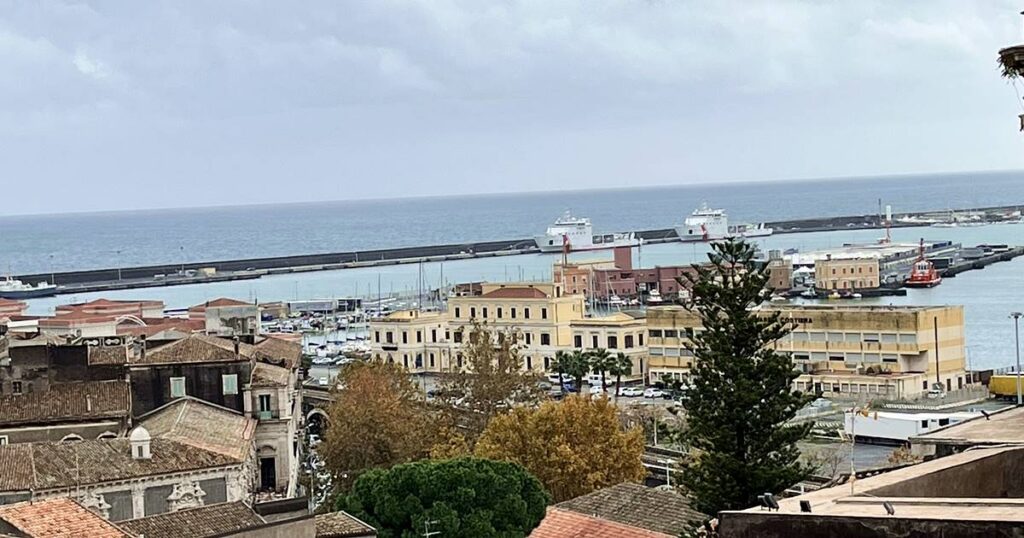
{"x":267,"y":415}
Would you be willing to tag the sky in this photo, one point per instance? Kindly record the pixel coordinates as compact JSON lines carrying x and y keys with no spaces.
{"x":131,"y":105}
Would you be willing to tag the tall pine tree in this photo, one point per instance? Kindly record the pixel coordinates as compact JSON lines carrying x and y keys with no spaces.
{"x":741,"y":399}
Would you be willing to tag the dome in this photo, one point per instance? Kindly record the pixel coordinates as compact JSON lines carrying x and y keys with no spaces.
{"x":139,"y":434}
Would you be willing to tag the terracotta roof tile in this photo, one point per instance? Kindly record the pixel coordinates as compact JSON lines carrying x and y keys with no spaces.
{"x":638,"y":506}
{"x":202,"y":425}
{"x":108,"y":355}
{"x":565,"y":524}
{"x":58,"y":518}
{"x":67,"y":402}
{"x":279,"y":351}
{"x":223,"y":301}
{"x":196,"y":348}
{"x":341,"y":525}
{"x":267,"y":375}
{"x":205,"y":521}
{"x":515,"y":293}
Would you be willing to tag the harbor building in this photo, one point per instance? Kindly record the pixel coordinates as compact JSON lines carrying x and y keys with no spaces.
{"x":12,"y":307}
{"x":833,"y":274}
{"x":851,"y":351}
{"x":621,"y":332}
{"x":603,"y":280}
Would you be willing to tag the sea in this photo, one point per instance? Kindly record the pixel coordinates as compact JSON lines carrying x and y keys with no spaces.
{"x":45,"y":243}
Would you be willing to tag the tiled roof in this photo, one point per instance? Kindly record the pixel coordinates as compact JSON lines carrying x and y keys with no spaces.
{"x":202,"y":425}
{"x":108,"y":355}
{"x":58,"y":518}
{"x":67,"y":402}
{"x":196,"y":348}
{"x":515,"y":293}
{"x":45,"y":466}
{"x":342,"y":525}
{"x":565,"y":524}
{"x":279,"y":351}
{"x":267,"y":375}
{"x":188,"y":435}
{"x":205,"y":521}
{"x":223,"y":301}
{"x":638,"y":506}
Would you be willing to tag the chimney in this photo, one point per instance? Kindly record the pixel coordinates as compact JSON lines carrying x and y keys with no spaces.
{"x":238,"y":347}
{"x":140,"y":439}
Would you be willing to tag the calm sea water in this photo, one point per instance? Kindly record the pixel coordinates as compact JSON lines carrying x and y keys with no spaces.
{"x":31,"y":244}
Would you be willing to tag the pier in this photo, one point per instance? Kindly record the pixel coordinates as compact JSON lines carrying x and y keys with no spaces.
{"x":93,"y":280}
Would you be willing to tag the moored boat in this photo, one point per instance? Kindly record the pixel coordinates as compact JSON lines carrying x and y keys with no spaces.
{"x":573,"y":234}
{"x":710,"y":224}
{"x":11,"y":288}
{"x":923,"y":273}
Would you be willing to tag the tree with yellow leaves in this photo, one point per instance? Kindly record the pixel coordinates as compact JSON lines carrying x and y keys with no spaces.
{"x":574,"y":446}
{"x":377,"y":419}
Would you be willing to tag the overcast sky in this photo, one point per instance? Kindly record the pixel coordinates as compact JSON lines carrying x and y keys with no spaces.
{"x":123,"y":105}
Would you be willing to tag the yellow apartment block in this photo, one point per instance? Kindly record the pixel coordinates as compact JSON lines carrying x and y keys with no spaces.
{"x":846,"y":274}
{"x":888,"y":351}
{"x":621,"y":332}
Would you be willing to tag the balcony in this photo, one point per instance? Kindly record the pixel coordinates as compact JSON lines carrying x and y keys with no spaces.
{"x":267,"y":415}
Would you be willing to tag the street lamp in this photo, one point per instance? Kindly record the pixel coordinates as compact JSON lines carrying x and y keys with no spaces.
{"x":1016,"y":347}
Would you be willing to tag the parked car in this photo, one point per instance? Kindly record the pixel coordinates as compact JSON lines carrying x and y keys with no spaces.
{"x":553,"y":379}
{"x":570,"y":387}
{"x":596,"y":389}
{"x":632,"y":391}
{"x":653,"y":393}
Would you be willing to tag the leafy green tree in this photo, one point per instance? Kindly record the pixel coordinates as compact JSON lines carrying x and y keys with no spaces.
{"x":457,"y":498}
{"x":740,"y":399}
{"x":600,"y":362}
{"x":619,"y":366}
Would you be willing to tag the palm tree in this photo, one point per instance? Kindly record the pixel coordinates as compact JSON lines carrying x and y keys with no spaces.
{"x":577,"y":365}
{"x":620,"y":365}
{"x":561,"y":361}
{"x":601,"y":362}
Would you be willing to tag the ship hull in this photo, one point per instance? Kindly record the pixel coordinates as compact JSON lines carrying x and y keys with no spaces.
{"x":28,"y":294}
{"x":554,"y":244}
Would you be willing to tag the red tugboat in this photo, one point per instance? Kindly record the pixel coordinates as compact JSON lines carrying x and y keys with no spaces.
{"x":923,"y":274}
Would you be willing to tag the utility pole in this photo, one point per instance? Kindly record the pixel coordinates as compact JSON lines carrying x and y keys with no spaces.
{"x":1016,"y":347}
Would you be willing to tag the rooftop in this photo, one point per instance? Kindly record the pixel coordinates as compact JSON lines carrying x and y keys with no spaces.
{"x":196,"y":348}
{"x":205,"y":521}
{"x":515,"y":293}
{"x":268,"y":375}
{"x":561,"y":523}
{"x":980,"y":484}
{"x":638,"y":506}
{"x":1003,"y":427}
{"x":341,"y":525}
{"x":187,"y":435}
{"x":279,"y":351}
{"x":58,"y":518}
{"x":67,"y":402}
{"x":202,"y":425}
{"x":223,"y":301}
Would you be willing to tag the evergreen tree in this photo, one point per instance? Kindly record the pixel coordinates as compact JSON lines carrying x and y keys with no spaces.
{"x":740,"y":400}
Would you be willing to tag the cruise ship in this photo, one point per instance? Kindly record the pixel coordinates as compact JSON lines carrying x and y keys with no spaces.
{"x":708,"y":224}
{"x":11,"y":288}
{"x":577,"y":233}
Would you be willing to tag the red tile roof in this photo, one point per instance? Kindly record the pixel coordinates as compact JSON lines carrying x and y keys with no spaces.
{"x":223,"y":301}
{"x":58,"y":518}
{"x":515,"y":293}
{"x":565,"y":524}
{"x":67,"y":402}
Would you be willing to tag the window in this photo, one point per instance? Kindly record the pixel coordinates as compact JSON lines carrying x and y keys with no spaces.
{"x":459,"y":359}
{"x":613,"y":342}
{"x":16,"y":387}
{"x":457,"y":313}
{"x":177,"y":387}
{"x":547,"y":363}
{"x":431,"y":360}
{"x":458,"y":337}
{"x":577,"y":341}
{"x":499,"y":312}
{"x":405,"y":360}
{"x":433,"y":335}
{"x":924,"y":424}
{"x":529,"y":363}
{"x":405,"y":337}
{"x":545,"y":339}
{"x":3,"y":440}
{"x":447,"y":334}
{"x":629,"y":341}
{"x":943,"y":422}
{"x":264,"y":403}
{"x":640,"y":339}
{"x":419,"y":360}
{"x":229,"y":383}
{"x":472,"y":312}
{"x":593,"y":341}
{"x":376,"y":336}
{"x":389,"y":337}
{"x":419,"y":336}
{"x":543,"y":313}
{"x":512,"y":312}
{"x":529,"y":338}
{"x":670,"y":334}
{"x":485,"y":312}
{"x":526,"y":313}
{"x":654,"y":333}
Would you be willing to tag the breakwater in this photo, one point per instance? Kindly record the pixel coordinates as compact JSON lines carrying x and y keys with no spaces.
{"x":238,"y":269}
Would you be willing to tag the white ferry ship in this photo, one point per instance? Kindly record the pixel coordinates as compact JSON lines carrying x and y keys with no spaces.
{"x":708,"y":224}
{"x":577,"y":233}
{"x":11,"y":288}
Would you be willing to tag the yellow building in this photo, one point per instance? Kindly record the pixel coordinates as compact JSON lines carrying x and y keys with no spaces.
{"x":621,"y":332}
{"x":846,"y":274}
{"x":862,"y":351}
{"x":412,"y":338}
